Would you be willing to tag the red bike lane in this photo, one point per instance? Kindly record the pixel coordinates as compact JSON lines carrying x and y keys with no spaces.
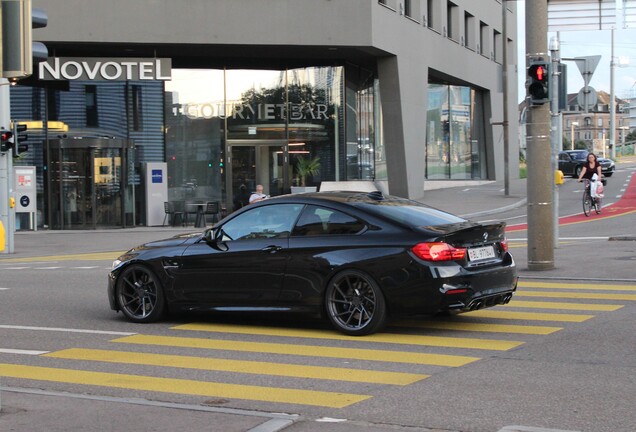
{"x":625,"y":205}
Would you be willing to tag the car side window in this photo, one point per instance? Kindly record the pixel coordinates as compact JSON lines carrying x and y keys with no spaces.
{"x":271,"y":221}
{"x":316,"y":220}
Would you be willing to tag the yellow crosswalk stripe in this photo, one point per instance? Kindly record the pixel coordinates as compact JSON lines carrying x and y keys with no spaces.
{"x":571,"y":295}
{"x":183,"y":386}
{"x":239,"y":366}
{"x":96,"y":256}
{"x":301,"y":350}
{"x":563,"y":306}
{"x":599,"y":287}
{"x":480,"y":327}
{"x":388,"y":338}
{"x":529,"y":316}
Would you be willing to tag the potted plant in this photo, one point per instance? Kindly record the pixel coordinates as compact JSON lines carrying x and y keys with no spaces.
{"x":306,"y":167}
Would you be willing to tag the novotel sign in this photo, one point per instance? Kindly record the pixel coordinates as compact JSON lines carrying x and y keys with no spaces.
{"x":105,"y":69}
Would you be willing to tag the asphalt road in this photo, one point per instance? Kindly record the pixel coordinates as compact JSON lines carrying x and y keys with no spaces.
{"x":561,"y":356}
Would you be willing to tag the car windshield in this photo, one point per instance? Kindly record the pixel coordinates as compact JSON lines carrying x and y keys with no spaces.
{"x":411,"y":213}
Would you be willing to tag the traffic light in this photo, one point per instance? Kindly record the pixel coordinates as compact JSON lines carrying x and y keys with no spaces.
{"x":538,"y":82}
{"x":6,"y":140}
{"x":18,"y":50}
{"x":19,"y":138}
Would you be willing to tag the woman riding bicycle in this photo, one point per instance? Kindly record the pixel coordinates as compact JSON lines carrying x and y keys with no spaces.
{"x":590,"y":169}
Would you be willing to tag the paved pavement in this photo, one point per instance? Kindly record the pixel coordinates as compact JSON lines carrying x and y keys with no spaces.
{"x":34,"y":410}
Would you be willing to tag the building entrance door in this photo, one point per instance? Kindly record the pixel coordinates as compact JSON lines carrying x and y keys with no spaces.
{"x":253,"y":162}
{"x":88,"y":183}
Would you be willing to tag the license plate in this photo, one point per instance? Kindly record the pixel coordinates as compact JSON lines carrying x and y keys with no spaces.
{"x":476,"y":254}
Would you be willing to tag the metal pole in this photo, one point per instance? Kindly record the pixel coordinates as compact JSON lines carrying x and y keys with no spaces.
{"x":555,"y":132}
{"x":612,"y":125}
{"x":506,"y":141}
{"x":540,"y":175}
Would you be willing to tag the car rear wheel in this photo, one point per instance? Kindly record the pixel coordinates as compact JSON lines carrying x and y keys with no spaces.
{"x":139,"y":294}
{"x":355,"y":304}
{"x":577,"y":171}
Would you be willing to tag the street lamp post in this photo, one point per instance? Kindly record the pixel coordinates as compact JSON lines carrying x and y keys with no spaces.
{"x":572,"y":124}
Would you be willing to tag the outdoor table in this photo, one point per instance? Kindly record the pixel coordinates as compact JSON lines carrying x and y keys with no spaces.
{"x":200,"y":209}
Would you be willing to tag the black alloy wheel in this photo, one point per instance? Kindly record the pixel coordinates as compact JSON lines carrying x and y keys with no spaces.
{"x":355,"y":304}
{"x":139,"y":295}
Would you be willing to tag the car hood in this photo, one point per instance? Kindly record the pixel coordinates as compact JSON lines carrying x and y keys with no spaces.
{"x":178,"y":240}
{"x":172,"y":241}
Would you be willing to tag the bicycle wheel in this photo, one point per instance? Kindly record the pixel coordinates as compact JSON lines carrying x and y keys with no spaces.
{"x":587,"y":202}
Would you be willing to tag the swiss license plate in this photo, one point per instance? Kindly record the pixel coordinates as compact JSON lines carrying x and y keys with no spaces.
{"x":476,"y":254}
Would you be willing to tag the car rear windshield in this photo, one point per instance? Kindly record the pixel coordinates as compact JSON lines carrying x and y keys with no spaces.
{"x":411,"y":213}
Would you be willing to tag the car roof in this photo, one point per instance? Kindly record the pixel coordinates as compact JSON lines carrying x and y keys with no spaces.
{"x":345,"y":197}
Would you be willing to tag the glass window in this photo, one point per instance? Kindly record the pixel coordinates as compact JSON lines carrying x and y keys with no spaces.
{"x":194,"y":134}
{"x":455,"y":146}
{"x":411,"y":213}
{"x":322,"y":221}
{"x":270,"y":221}
{"x":361,"y":125}
{"x":469,"y":30}
{"x":315,"y":100}
{"x":136,"y":107}
{"x":484,"y":39}
{"x":408,"y":11}
{"x":452,"y":21}
{"x":90,"y":95}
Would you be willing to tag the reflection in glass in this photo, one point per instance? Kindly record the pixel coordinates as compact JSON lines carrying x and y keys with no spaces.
{"x":454,"y":134}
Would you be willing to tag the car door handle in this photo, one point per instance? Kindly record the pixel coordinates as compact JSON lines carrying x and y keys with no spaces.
{"x":272,"y":249}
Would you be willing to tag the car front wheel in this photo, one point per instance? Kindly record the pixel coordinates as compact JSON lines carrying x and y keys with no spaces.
{"x":139,"y":294}
{"x":355,"y":304}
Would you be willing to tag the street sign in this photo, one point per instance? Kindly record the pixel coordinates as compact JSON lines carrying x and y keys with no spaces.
{"x":587,"y":99}
{"x":587,"y":66}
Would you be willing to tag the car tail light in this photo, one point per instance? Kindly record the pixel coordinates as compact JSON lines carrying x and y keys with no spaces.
{"x":504,"y":245}
{"x":438,"y":251}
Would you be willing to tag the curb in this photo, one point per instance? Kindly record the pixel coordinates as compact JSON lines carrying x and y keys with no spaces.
{"x":496,"y":210}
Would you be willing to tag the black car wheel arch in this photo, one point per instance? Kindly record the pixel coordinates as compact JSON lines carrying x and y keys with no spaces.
{"x":355,"y":303}
{"x":139,"y":294}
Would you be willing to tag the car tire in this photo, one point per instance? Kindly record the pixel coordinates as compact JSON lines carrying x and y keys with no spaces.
{"x":139,"y":294}
{"x":577,"y":171}
{"x":609,"y":174}
{"x":355,"y":304}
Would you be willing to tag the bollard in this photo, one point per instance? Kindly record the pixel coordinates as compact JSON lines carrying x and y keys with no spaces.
{"x":1,"y":236}
{"x":558,"y":177}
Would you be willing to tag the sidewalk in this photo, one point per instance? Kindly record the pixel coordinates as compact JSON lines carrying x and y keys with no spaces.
{"x":475,"y":201}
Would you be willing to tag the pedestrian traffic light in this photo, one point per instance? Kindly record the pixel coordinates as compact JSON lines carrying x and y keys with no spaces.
{"x":538,"y":82}
{"x":6,"y":140}
{"x":19,"y":138}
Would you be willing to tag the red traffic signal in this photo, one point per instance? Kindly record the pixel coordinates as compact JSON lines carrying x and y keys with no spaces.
{"x":6,"y":142}
{"x":539,"y":82}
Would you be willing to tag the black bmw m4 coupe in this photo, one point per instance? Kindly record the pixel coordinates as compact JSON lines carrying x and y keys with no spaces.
{"x":355,"y":258}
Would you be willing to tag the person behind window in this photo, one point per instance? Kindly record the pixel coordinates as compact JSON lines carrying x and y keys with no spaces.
{"x":242,"y":198}
{"x":258,"y":195}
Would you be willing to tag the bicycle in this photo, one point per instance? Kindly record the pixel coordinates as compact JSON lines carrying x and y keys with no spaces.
{"x":590,"y":203}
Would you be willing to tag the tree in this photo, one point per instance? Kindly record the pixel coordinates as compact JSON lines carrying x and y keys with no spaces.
{"x":307,"y":167}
